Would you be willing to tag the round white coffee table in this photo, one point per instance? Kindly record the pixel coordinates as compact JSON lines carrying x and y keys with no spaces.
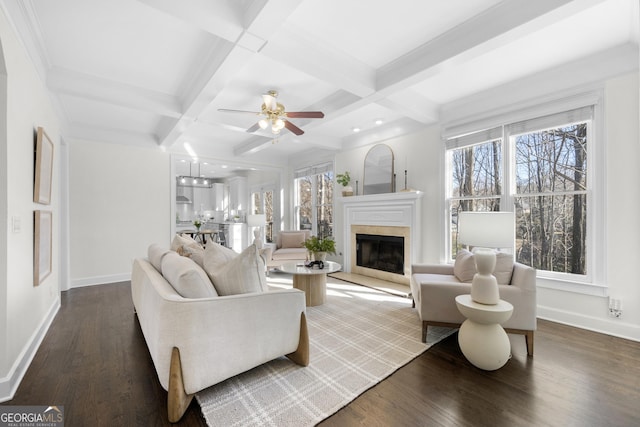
{"x":312,"y":281}
{"x":482,"y":339}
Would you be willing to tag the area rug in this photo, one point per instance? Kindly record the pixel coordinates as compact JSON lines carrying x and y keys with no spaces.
{"x":358,"y":337}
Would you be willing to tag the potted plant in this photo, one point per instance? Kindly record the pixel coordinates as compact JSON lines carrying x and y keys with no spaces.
{"x":320,"y":247}
{"x":344,"y":179}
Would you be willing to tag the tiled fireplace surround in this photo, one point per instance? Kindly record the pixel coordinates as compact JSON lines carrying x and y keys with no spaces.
{"x":391,"y":214}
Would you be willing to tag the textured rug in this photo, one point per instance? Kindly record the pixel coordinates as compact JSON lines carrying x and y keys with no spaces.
{"x":358,"y":337}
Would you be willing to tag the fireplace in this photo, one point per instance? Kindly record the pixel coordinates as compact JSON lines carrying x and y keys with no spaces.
{"x":385,"y":253}
{"x":395,"y":221}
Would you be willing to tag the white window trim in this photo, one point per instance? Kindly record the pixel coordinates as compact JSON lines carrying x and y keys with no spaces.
{"x":595,"y":281}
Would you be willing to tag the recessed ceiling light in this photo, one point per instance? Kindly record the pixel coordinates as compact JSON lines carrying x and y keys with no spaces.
{"x":356,"y":129}
{"x":224,"y":166}
{"x":378,"y":121}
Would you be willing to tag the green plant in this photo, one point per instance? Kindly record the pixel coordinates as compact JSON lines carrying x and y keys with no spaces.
{"x":313,"y":244}
{"x":197,"y":223}
{"x":343,"y":179}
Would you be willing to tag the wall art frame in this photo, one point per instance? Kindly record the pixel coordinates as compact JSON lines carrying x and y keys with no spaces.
{"x":43,"y":168}
{"x":42,"y":245}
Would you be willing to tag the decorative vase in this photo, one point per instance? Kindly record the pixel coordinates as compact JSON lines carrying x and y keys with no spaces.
{"x":484,"y":286}
{"x":347,"y":190}
{"x":320,"y":256}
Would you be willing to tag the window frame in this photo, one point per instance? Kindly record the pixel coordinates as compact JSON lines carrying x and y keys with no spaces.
{"x":594,"y":281}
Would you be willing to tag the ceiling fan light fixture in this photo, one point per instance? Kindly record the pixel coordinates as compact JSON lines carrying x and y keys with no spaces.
{"x":278,"y":125}
{"x":263,"y":123}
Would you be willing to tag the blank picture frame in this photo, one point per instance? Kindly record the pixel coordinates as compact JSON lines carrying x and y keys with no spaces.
{"x":42,"y":245}
{"x":43,"y":168}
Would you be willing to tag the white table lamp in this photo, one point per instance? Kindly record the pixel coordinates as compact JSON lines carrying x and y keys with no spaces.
{"x":257,"y":221}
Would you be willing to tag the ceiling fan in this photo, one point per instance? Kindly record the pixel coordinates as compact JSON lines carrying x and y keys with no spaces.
{"x":275,"y":116}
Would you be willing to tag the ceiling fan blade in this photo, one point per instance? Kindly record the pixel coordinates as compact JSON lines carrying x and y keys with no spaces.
{"x":306,"y":114}
{"x":253,"y":128}
{"x":226,"y":110}
{"x":293,"y":128}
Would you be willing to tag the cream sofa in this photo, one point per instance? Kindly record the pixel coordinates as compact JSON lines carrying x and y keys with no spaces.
{"x":288,"y":247}
{"x":201,"y":340}
{"x":435,"y":287}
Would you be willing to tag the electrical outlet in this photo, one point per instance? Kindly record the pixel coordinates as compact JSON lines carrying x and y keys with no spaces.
{"x":615,"y":308}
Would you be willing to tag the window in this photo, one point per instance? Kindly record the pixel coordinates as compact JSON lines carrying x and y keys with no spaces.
{"x":314,"y":200}
{"x":262,"y":202}
{"x":538,"y":169}
{"x":551,"y":198}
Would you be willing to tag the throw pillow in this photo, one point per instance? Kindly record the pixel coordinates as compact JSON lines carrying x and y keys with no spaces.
{"x":196,"y":253}
{"x":292,"y":240}
{"x":243,"y":274}
{"x":186,"y":277}
{"x":179,"y":242}
{"x":464,"y":268}
{"x":504,"y":268}
{"x":216,"y":257}
{"x":155,"y":253}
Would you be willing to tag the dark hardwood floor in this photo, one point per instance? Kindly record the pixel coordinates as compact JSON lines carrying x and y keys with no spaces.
{"x":94,"y":361}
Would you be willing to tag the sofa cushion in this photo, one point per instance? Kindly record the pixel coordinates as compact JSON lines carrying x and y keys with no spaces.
{"x":186,"y":277}
{"x":155,"y":253}
{"x":292,"y":239}
{"x":243,"y":274}
{"x":216,"y":257}
{"x":464,"y":267}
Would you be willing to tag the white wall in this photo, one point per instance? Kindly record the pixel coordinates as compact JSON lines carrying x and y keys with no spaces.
{"x":119,"y":198}
{"x":26,"y":309}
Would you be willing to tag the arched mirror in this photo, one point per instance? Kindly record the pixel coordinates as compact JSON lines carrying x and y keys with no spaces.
{"x":378,"y":170}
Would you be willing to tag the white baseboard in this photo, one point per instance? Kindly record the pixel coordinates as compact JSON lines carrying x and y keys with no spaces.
{"x":100,"y":280}
{"x":615,"y":327}
{"x":10,"y":383}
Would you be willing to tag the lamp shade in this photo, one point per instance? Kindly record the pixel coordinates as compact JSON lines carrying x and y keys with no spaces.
{"x":256,"y":220}
{"x":487,"y":229}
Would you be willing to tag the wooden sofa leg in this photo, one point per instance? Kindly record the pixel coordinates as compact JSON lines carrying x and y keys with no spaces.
{"x":424,"y":331}
{"x":177,"y":400}
{"x":301,"y":355}
{"x":529,"y":339}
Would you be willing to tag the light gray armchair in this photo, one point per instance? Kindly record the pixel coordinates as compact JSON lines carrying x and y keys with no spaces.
{"x":435,"y":287}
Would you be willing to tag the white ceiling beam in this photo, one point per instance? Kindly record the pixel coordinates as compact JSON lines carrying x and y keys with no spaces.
{"x":220,"y":73}
{"x":292,"y":46}
{"x":412,"y":105}
{"x":111,"y":92}
{"x":497,"y":26}
{"x":83,"y":133}
{"x":219,"y":17}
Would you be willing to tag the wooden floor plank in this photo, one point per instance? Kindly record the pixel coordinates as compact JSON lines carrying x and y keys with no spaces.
{"x":95,"y":362}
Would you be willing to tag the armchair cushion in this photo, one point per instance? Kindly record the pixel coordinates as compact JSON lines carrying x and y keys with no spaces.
{"x":292,"y":240}
{"x":465,"y":266}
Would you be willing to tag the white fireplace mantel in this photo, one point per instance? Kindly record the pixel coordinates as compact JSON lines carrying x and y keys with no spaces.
{"x":402,"y":209}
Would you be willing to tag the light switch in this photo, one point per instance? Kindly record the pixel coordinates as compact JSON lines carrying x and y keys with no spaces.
{"x":15,"y":224}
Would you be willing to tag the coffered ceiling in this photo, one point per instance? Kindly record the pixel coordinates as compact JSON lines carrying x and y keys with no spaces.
{"x":155,"y":72}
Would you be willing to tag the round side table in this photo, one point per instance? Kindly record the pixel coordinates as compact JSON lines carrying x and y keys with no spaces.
{"x":312,"y":281}
{"x":482,"y":340}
